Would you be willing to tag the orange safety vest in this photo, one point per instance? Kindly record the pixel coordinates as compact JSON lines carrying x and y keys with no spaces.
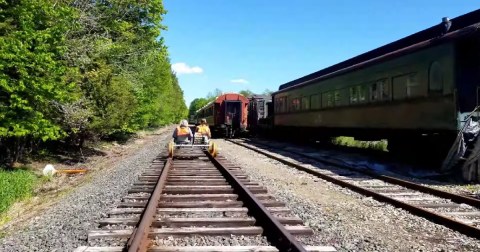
{"x":183,"y":131}
{"x":203,"y":129}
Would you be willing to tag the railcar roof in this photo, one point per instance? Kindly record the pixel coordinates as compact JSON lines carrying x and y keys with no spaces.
{"x":458,"y":23}
{"x":215,"y":100}
{"x":206,"y":105}
{"x":260,"y":96}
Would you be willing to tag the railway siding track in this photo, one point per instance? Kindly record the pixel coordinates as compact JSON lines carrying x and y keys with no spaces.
{"x":454,"y":211}
{"x":195,"y":196}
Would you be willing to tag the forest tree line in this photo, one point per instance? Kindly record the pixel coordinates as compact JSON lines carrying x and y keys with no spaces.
{"x":77,"y":70}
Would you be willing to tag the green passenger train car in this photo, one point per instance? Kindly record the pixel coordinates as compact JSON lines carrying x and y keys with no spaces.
{"x":412,"y":92}
{"x":415,"y":92}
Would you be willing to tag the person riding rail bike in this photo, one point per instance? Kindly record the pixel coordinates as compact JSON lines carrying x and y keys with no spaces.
{"x":182,"y":134}
{"x":204,"y":130}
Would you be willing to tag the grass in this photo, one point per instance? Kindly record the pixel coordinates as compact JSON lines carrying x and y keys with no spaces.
{"x":351,"y":142}
{"x":14,"y":186}
{"x":472,"y":188}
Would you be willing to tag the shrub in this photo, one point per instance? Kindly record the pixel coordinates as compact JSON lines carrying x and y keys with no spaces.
{"x":15,"y":185}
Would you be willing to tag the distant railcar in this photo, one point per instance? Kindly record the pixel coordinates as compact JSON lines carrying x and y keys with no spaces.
{"x":226,"y":115}
{"x":192,"y":119}
{"x":259,"y":110}
{"x":416,"y":92}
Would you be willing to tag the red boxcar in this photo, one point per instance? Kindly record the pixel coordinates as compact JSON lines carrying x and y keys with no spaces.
{"x":226,"y":115}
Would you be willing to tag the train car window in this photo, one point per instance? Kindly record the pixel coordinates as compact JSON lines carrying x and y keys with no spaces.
{"x":353,"y":95}
{"x":209,"y":111}
{"x":337,"y":98}
{"x":362,"y":93}
{"x":327,"y":99}
{"x":374,"y":92}
{"x":435,"y":78}
{"x":330,"y":100}
{"x":280,"y":104}
{"x":295,"y":104}
{"x":413,"y":87}
{"x":315,"y":102}
{"x":399,"y":87}
{"x":406,"y":86}
{"x":305,"y":103}
{"x":383,"y":90}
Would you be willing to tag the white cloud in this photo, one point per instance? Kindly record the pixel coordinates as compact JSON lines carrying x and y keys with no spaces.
{"x":239,"y":81}
{"x":183,"y":68}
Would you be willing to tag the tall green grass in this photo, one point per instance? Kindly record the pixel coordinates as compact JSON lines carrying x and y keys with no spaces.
{"x":15,"y":185}
{"x":351,"y":142}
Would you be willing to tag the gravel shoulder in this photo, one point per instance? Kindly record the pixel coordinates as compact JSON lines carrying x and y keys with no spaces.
{"x":404,"y":172}
{"x":342,"y":218}
{"x":63,"y":224}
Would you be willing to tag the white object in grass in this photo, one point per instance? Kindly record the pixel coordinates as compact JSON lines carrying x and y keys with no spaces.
{"x":49,"y":170}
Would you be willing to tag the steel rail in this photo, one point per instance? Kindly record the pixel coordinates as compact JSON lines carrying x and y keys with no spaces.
{"x":425,"y":189}
{"x":138,"y":241}
{"x":434,"y":217}
{"x":273,"y":229}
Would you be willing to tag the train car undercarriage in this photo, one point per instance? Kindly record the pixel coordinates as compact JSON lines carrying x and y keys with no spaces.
{"x":444,"y":152}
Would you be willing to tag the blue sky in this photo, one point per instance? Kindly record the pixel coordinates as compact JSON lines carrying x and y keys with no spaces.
{"x":261,"y":44}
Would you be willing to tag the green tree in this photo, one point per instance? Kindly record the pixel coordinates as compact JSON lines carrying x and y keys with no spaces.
{"x":246,"y":92}
{"x":267,"y":92}
{"x":78,"y":69}
{"x":196,"y":104}
{"x":212,"y":95}
{"x":179,"y":106}
{"x":31,"y":72}
{"x":123,"y":69}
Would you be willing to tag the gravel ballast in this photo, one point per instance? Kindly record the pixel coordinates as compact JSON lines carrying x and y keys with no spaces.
{"x":338,"y":216}
{"x":342,"y":218}
{"x":65,"y":225}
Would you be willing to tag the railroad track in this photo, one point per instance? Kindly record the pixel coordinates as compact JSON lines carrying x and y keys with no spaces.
{"x":195,"y":196}
{"x":454,"y":211}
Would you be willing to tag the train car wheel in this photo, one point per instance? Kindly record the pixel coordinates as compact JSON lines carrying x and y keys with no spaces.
{"x":212,"y":149}
{"x":170,"y":149}
{"x":227,"y":132}
{"x":210,"y":146}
